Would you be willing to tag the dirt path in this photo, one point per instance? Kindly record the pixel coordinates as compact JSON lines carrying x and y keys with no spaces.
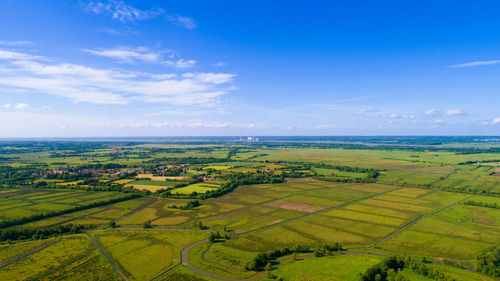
{"x":398,"y":230}
{"x":14,"y":259}
{"x":136,"y":210}
{"x":109,"y":259}
{"x":316,"y":212}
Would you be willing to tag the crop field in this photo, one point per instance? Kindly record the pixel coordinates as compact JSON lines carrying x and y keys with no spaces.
{"x":26,"y":203}
{"x":49,"y":259}
{"x":134,"y":250}
{"x":437,"y":204}
{"x":197,"y":187}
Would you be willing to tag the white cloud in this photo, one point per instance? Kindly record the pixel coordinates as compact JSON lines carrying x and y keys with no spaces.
{"x":431,"y":112}
{"x":104,"y":86}
{"x":127,"y":54}
{"x":404,"y":116}
{"x":7,"y":105}
{"x":143,"y":54}
{"x":14,"y":43}
{"x":476,"y":63}
{"x":496,"y":121}
{"x":438,"y":121}
{"x":454,"y":112}
{"x":252,"y":126}
{"x":219,"y":64}
{"x":120,"y":11}
{"x":182,"y":21}
{"x":181,"y":63}
{"x":21,"y":106}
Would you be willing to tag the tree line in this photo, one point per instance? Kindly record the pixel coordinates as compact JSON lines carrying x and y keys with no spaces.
{"x":489,"y":262}
{"x":493,"y":205}
{"x":388,"y":270}
{"x":22,"y":234}
{"x":261,"y":260}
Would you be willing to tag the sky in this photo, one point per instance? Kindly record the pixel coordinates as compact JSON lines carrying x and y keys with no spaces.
{"x":74,"y":68}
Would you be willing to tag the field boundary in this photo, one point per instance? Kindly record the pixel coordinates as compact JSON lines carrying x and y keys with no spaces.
{"x":39,"y":248}
{"x":109,"y":259}
{"x":136,"y":210}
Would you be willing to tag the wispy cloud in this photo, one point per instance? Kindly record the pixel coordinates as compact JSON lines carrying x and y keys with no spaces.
{"x":128,"y":54}
{"x":21,"y":106}
{"x":120,"y":11}
{"x":15,"y":43}
{"x":181,"y":63}
{"x":143,"y":54}
{"x":431,"y":112}
{"x":81,"y":83}
{"x":182,"y":21}
{"x":454,"y":112}
{"x":476,"y":63}
{"x":219,"y":64}
{"x":403,"y":116}
{"x":448,"y":113}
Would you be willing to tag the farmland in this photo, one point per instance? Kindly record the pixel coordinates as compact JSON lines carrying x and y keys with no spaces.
{"x":143,"y":208}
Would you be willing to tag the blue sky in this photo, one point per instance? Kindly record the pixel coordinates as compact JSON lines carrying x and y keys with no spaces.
{"x":166,"y":68}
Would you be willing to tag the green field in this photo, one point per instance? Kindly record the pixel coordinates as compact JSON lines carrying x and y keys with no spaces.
{"x":419,"y":204}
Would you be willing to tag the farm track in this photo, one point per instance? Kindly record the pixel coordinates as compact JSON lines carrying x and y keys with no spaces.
{"x":109,"y":259}
{"x":450,"y":205}
{"x":317,"y":212}
{"x":136,"y":210}
{"x":14,"y":259}
{"x":399,"y":230}
{"x":72,"y":219}
{"x":415,"y":220}
{"x":184,"y":253}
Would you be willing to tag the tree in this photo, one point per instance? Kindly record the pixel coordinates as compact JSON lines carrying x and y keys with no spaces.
{"x":147,"y":224}
{"x":268,"y":267}
{"x":211,"y":237}
{"x":112,"y":224}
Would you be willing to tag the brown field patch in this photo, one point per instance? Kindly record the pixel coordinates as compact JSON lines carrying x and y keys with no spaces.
{"x":294,"y":206}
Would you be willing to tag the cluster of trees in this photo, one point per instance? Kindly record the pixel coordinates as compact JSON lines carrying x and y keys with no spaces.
{"x":262,"y":259}
{"x":22,"y":234}
{"x":24,"y":220}
{"x":388,"y":268}
{"x":493,"y":205}
{"x":489,"y":262}
{"x":189,"y":206}
{"x":214,"y":237}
